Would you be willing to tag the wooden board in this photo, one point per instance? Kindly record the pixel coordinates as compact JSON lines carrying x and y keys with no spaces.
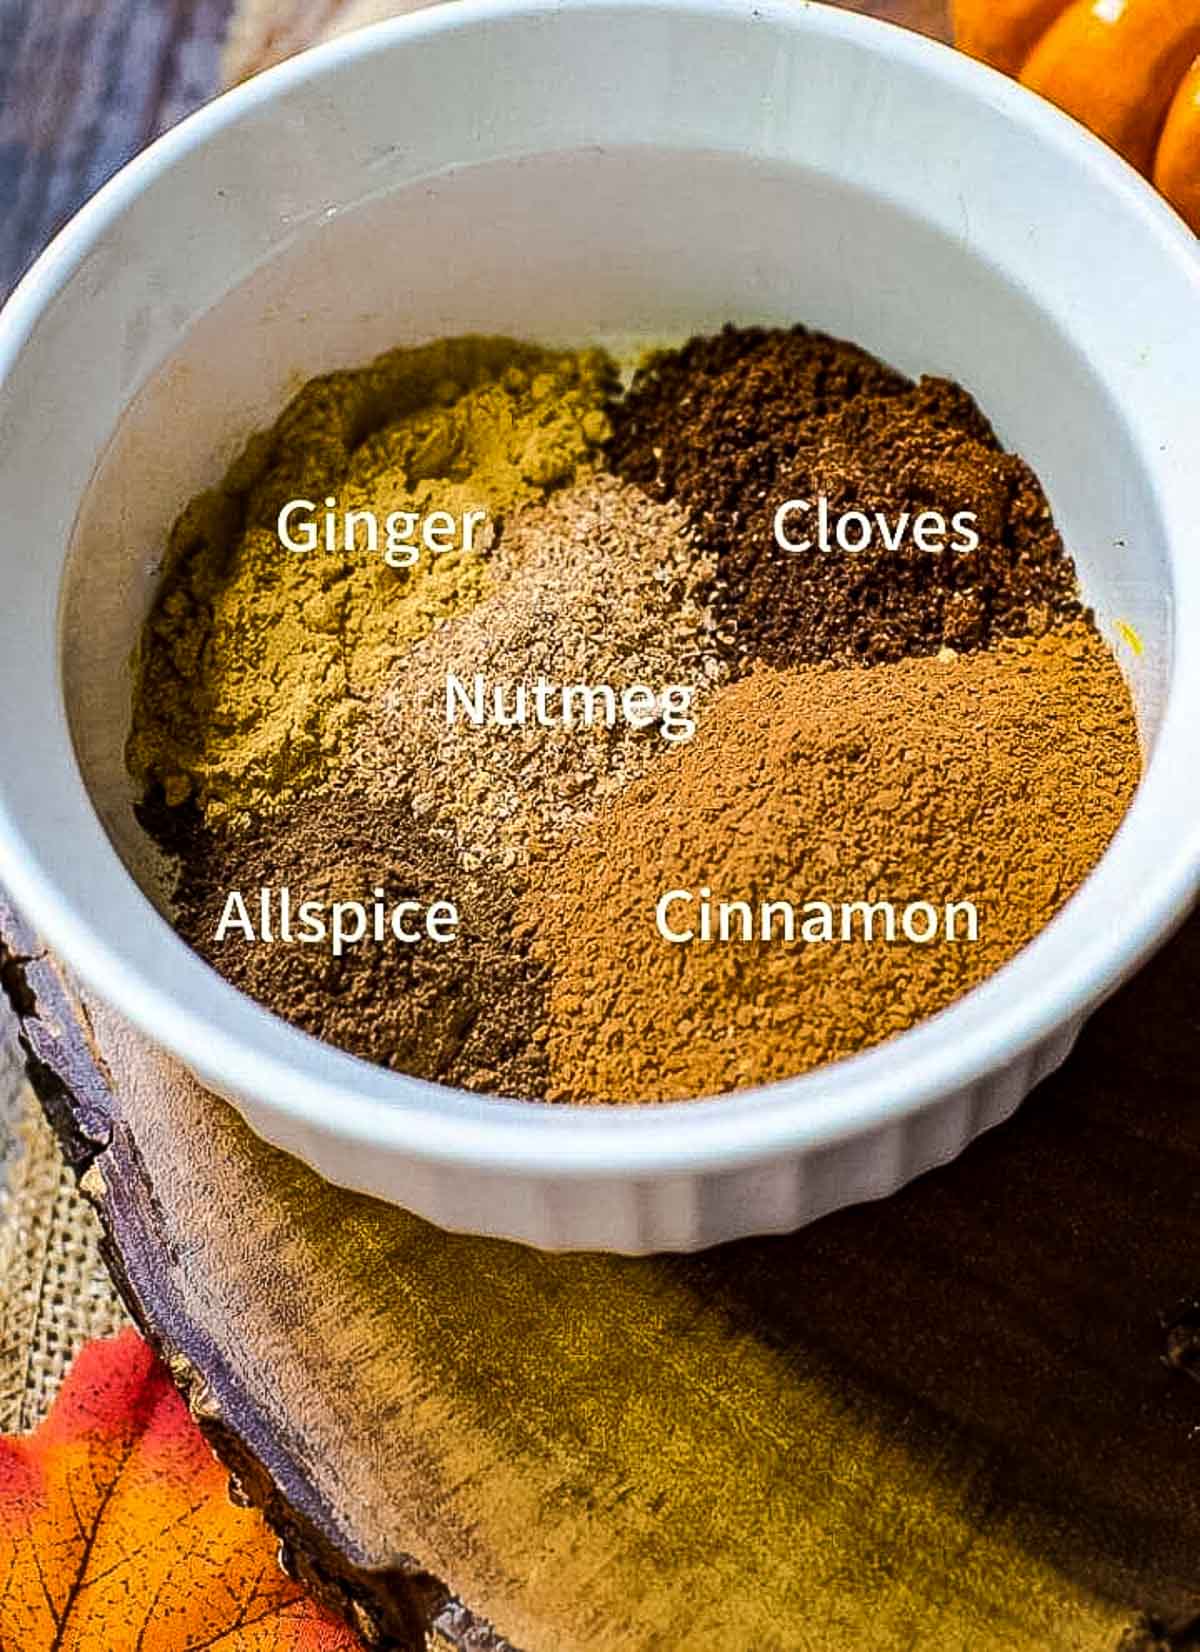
{"x":264,"y":32}
{"x":944,"y":1421}
{"x":959,"y":1421}
{"x":85,"y":84}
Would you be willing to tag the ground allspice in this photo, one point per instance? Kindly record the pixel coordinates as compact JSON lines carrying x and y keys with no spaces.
{"x":874,"y":730}
{"x":466,"y":1014}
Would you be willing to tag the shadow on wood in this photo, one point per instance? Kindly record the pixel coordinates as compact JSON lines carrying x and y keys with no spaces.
{"x":944,"y":1420}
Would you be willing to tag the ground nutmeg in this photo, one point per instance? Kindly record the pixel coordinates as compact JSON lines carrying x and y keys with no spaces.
{"x":522,"y":734}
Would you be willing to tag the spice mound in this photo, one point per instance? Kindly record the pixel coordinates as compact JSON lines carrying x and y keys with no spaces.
{"x":853,"y":816}
{"x":464,"y":1012}
{"x":601,"y":586}
{"x":738,"y":427}
{"x":257,"y":660}
{"x":583,"y":746}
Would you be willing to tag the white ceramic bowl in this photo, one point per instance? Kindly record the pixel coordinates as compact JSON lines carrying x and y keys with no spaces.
{"x":604,"y":168}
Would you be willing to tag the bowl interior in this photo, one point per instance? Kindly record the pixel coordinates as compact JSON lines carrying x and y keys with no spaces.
{"x":611,"y":169}
{"x":629,"y":246}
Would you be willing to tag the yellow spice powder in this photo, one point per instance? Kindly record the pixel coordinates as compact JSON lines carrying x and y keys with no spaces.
{"x":255,"y":663}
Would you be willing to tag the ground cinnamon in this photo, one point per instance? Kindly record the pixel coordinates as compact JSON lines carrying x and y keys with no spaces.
{"x":923,"y":730}
{"x":932,"y":781}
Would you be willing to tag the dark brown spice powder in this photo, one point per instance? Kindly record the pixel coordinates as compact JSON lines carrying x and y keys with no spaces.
{"x":464,"y":1013}
{"x":551,"y":990}
{"x":734,"y":425}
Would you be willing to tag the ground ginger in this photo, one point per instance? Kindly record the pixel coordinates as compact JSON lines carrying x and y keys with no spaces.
{"x":255,"y":662}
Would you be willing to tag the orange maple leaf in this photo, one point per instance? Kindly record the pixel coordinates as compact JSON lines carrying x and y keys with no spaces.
{"x":117,"y":1533}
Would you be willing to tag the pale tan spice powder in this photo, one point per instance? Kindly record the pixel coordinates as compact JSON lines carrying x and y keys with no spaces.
{"x":598,"y":586}
{"x":256,"y":661}
{"x":997,"y":778}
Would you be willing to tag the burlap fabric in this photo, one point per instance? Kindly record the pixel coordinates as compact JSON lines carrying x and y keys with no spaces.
{"x":55,"y":1293}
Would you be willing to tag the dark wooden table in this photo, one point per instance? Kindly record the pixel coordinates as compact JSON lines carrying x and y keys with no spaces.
{"x":958,"y":1421}
{"x":85,"y":84}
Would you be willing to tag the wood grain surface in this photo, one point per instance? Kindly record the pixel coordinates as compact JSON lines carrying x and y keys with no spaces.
{"x":266,"y":31}
{"x":952,"y":1420}
{"x":957,"y":1421}
{"x":85,"y":84}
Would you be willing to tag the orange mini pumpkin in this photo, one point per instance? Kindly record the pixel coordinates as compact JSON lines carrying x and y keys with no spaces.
{"x":1129,"y":69}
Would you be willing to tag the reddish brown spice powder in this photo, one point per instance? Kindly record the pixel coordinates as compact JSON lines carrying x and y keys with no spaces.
{"x":901,"y":727}
{"x":931,"y":780}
